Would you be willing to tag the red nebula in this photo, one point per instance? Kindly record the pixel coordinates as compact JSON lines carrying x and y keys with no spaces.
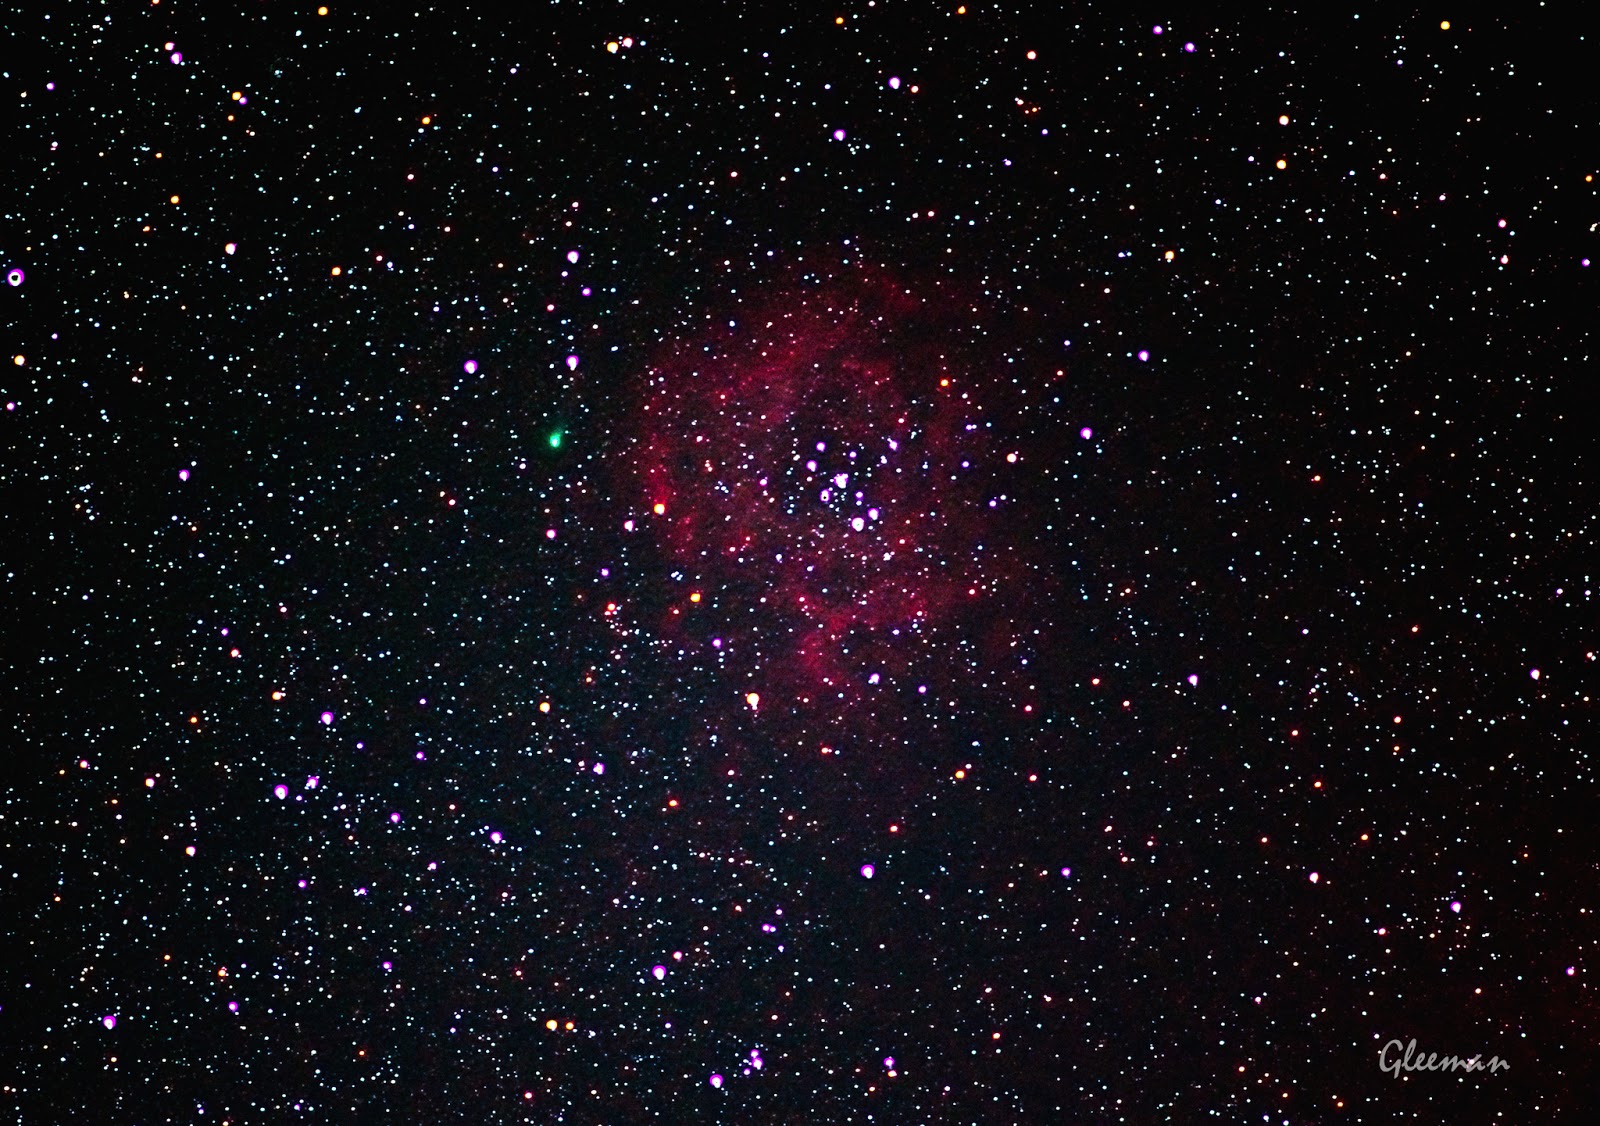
{"x":819,"y":467}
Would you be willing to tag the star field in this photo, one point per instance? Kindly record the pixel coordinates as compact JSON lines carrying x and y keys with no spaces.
{"x":906,"y":563}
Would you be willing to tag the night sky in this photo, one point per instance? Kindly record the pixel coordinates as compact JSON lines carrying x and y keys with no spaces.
{"x":893,"y":563}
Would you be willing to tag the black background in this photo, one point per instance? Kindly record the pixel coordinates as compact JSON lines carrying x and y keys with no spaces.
{"x":1352,"y":482}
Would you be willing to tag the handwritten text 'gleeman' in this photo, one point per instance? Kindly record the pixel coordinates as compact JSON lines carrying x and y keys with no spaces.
{"x":1396,"y":1057}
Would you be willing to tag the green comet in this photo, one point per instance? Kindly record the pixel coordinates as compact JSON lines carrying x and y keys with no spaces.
{"x":555,"y":440}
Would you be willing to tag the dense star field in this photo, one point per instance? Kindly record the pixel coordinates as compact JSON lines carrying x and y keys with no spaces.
{"x":903,"y":563}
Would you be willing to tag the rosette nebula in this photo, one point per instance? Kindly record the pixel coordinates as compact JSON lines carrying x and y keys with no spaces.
{"x":828,"y":477}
